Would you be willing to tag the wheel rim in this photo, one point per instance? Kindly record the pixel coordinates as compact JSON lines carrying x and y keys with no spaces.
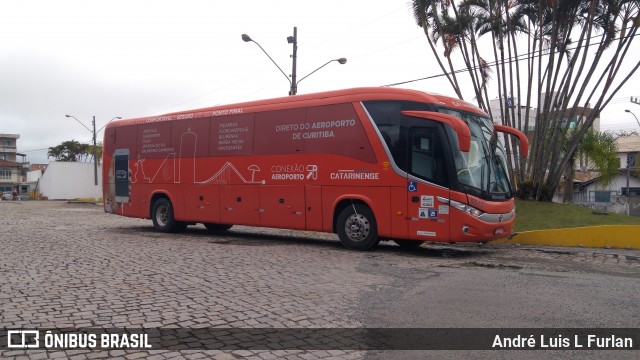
{"x":357,"y":227}
{"x":161,"y":215}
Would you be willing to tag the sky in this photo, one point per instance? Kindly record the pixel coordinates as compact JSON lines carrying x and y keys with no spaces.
{"x":133,"y":58}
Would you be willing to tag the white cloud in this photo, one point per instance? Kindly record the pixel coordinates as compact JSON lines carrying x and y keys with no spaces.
{"x":141,"y":57}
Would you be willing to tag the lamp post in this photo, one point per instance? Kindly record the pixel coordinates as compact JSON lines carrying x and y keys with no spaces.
{"x":634,"y":115}
{"x":108,"y":122}
{"x":341,"y":61}
{"x":95,"y":148}
{"x":629,"y":167}
{"x":293,"y":82}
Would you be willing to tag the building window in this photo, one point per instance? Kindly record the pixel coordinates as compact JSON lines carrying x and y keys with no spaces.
{"x":5,"y":174}
{"x":7,"y":143}
{"x":3,"y":157}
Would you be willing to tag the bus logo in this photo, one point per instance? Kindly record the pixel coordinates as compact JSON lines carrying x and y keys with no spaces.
{"x":27,"y":339}
{"x":121,"y":175}
{"x":313,"y":172}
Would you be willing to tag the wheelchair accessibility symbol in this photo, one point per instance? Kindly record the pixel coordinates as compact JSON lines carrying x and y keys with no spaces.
{"x":412,"y":186}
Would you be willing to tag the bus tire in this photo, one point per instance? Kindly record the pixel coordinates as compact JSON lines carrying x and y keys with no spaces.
{"x":409,"y":244}
{"x":162,"y":217}
{"x":212,"y":227}
{"x":357,"y":228}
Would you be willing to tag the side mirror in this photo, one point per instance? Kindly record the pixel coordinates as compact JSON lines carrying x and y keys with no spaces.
{"x":459,"y":126}
{"x":524,"y":142}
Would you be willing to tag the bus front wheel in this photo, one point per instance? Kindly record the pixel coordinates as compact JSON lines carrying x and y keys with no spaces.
{"x":162,"y":217}
{"x":357,"y":227}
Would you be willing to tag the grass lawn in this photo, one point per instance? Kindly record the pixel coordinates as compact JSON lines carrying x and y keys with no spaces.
{"x":535,"y":215}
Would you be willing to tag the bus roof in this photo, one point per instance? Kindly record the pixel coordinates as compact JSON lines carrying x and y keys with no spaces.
{"x":314,"y":99}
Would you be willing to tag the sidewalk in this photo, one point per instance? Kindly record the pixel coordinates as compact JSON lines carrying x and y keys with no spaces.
{"x":605,"y":236}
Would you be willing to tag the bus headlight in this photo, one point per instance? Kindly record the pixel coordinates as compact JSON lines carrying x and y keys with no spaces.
{"x":466,"y":208}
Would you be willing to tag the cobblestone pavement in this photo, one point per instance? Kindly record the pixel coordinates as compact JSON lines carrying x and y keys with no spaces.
{"x":73,"y":266}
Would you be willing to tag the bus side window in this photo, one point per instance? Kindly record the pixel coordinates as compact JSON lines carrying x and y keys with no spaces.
{"x":396,"y":139}
{"x":386,"y":138}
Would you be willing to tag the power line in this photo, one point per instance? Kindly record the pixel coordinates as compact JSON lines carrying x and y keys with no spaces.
{"x":321,"y":43}
{"x":33,"y":150}
{"x":84,"y":142}
{"x":518,"y":58}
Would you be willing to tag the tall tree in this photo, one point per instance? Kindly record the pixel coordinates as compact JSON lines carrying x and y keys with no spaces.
{"x":432,"y":17}
{"x":95,"y":153}
{"x":555,"y":61}
{"x":70,"y":150}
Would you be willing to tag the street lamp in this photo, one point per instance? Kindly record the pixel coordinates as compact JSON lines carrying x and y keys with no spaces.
{"x":293,"y":83}
{"x":95,"y":149}
{"x":634,"y":115}
{"x":105,"y":125}
{"x":341,"y":61}
{"x":246,"y":38}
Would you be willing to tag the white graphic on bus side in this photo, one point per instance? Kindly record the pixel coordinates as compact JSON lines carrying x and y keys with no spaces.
{"x":223,"y":176}
{"x":185,"y":164}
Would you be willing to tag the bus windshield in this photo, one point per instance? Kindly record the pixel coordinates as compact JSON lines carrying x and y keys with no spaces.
{"x":484,"y":166}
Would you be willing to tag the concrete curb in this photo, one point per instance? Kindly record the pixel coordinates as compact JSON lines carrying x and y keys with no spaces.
{"x":605,"y":236}
{"x":92,"y":201}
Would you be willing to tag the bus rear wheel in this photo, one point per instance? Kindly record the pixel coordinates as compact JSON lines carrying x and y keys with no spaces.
{"x":357,"y":227}
{"x":217,"y":227}
{"x":162,"y":217}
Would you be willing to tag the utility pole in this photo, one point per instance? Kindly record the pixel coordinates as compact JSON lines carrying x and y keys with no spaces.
{"x":95,"y":145}
{"x":95,"y":153}
{"x":294,"y":40}
{"x":293,"y":78}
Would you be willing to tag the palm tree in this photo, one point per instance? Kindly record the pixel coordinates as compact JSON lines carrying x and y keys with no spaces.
{"x":576,"y":81}
{"x":432,"y":17}
{"x":97,"y":152}
{"x":562,"y":38}
{"x":499,"y":19}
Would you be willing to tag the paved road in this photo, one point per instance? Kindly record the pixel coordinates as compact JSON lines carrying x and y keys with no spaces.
{"x":73,"y":266}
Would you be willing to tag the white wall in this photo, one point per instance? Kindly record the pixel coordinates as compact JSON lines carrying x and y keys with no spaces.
{"x":33,"y":176}
{"x":623,"y":160}
{"x":619,"y":182}
{"x":70,"y":180}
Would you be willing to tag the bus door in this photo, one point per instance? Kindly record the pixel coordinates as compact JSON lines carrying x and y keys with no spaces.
{"x":428,"y":214}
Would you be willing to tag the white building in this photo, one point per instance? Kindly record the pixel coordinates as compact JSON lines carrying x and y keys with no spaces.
{"x":628,"y":149}
{"x":513,"y":103}
{"x":612,"y":197}
{"x":11,"y":174}
{"x":70,"y":180}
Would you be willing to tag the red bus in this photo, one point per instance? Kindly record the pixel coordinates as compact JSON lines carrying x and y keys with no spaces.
{"x":365,"y":163}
